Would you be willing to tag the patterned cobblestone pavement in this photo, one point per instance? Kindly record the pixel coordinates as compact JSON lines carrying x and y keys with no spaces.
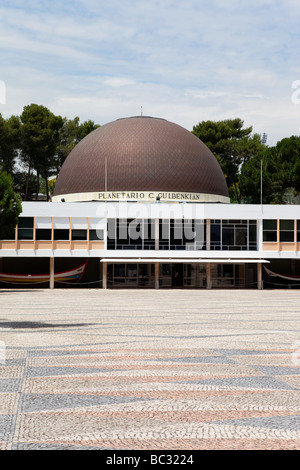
{"x":149,"y":370}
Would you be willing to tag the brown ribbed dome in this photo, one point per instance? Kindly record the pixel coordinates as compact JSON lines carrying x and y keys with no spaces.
{"x":141,"y":154}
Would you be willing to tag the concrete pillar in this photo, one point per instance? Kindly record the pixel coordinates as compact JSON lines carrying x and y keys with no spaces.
{"x":207,"y":234}
{"x":156,"y":275}
{"x":104,"y":276}
{"x":51,"y":282}
{"x":293,"y":266}
{"x":100,"y":273}
{"x":157,"y":234}
{"x":259,"y":276}
{"x":208,"y":276}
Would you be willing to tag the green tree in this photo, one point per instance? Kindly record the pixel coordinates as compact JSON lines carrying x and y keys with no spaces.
{"x":250,"y":180}
{"x":278,"y":168}
{"x":232,"y":145}
{"x":71,"y":133}
{"x":10,"y":205}
{"x":9,"y":142}
{"x":39,"y":140}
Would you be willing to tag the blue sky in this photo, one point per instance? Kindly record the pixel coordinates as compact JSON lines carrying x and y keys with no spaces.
{"x":185,"y":61}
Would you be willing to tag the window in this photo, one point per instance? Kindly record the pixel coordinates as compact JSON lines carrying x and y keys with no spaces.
{"x":233,"y":235}
{"x":270,"y":230}
{"x":61,"y":234}
{"x":130,"y":234}
{"x":79,"y":234}
{"x":10,"y":236}
{"x":164,"y":234}
{"x":215,"y":234}
{"x":286,"y":230}
{"x":96,"y":235}
{"x":227,"y":236}
{"x":182,"y":234}
{"x":25,"y":228}
{"x":43,"y":234}
{"x":298,"y":231}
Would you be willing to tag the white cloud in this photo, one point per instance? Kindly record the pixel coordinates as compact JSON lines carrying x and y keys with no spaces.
{"x":184,"y":61}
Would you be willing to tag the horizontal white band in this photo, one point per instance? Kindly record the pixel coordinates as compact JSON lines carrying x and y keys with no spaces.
{"x":142,"y":196}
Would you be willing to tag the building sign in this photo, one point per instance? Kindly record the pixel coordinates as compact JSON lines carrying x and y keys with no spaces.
{"x":141,"y":196}
{"x":148,"y":196}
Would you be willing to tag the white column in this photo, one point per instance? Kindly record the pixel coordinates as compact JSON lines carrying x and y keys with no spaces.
{"x":157,"y":234}
{"x":156,"y":275}
{"x":259,"y":276}
{"x":208,"y":276}
{"x":207,"y":234}
{"x":51,"y":283}
{"x":104,"y":276}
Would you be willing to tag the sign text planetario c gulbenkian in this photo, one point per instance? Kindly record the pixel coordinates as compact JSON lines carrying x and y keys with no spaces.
{"x":141,"y":196}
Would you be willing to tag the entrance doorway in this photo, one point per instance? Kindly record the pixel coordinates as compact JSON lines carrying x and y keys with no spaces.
{"x":177,"y":275}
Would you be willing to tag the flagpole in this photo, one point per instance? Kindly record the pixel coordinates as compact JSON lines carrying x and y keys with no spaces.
{"x":261,"y":181}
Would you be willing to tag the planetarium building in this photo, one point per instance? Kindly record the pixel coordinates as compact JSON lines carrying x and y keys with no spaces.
{"x":142,"y":203}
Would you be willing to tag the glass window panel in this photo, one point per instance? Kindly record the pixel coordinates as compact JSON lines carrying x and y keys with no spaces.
{"x":119,"y":270}
{"x":215,"y":233}
{"x":241,"y":236}
{"x":227,"y":236}
{"x":166,"y":269}
{"x":270,"y":224}
{"x":25,"y":222}
{"x":131,"y":270}
{"x":287,"y":225}
{"x":10,"y":236}
{"x":25,"y":233}
{"x":227,"y":270}
{"x":96,"y":234}
{"x":252,"y":233}
{"x":269,"y":236}
{"x":61,"y":234}
{"x":286,"y":236}
{"x":43,"y":234}
{"x":79,"y":234}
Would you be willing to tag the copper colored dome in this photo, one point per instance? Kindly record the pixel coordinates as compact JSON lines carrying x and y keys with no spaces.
{"x":141,"y":154}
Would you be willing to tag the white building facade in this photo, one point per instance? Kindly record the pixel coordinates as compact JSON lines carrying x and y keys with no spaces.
{"x":159,"y":245}
{"x":143,"y":203}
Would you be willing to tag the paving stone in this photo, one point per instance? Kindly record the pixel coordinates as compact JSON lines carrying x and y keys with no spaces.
{"x":94,"y":370}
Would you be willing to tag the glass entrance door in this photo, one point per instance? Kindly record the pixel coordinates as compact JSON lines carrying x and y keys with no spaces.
{"x":177,"y":275}
{"x":130,"y":275}
{"x":228,"y":275}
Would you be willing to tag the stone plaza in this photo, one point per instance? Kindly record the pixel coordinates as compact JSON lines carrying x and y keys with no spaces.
{"x":96,"y":369}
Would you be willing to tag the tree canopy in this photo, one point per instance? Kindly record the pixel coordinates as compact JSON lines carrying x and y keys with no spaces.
{"x":33,"y":147}
{"x":10,"y":205}
{"x":39,"y":139}
{"x":277,"y":168}
{"x":232,"y":145}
